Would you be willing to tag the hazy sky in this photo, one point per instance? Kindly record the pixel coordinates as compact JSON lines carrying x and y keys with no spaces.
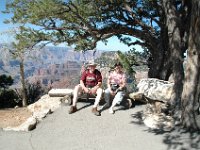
{"x":113,"y":43}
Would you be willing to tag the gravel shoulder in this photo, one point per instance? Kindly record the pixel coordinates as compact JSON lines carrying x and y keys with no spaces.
{"x":12,"y":117}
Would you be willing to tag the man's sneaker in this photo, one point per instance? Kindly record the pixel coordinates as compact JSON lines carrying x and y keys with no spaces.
{"x":95,"y":111}
{"x":111,"y":111}
{"x":72,"y":109}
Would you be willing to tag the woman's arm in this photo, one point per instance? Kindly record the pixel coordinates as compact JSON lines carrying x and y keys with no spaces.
{"x":123,"y":83}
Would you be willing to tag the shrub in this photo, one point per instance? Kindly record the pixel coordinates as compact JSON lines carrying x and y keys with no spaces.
{"x":9,"y":99}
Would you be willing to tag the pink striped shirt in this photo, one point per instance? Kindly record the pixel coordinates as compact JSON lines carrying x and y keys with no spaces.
{"x":117,"y":78}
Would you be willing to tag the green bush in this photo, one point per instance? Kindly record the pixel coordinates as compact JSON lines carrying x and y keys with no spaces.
{"x":9,"y":99}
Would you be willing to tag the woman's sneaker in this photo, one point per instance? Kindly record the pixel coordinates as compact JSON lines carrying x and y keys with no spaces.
{"x":111,"y":111}
{"x":72,"y":109}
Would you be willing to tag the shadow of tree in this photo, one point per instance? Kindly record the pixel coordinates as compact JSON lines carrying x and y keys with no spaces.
{"x":138,"y":118}
{"x":177,"y":139}
{"x":181,"y":139}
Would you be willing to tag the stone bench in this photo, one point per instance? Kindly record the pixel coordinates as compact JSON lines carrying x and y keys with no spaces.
{"x":67,"y":95}
{"x":64,"y":92}
{"x":60,"y":92}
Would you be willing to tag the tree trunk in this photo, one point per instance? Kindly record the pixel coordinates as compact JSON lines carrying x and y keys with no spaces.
{"x":156,"y":69}
{"x":24,"y":96}
{"x":173,"y":24}
{"x":161,"y":65}
{"x":166,"y":69}
{"x":191,"y":88}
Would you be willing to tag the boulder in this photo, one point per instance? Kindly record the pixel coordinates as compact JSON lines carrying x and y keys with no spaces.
{"x":159,"y":122}
{"x":156,"y":89}
{"x":156,"y":93}
{"x":44,"y":105}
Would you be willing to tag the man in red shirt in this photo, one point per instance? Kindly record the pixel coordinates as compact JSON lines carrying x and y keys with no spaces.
{"x":90,"y":83}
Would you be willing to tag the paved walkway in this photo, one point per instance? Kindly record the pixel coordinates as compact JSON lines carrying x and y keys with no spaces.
{"x":84,"y":131}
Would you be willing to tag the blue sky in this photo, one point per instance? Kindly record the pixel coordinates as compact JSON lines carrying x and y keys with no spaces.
{"x":113,"y":43}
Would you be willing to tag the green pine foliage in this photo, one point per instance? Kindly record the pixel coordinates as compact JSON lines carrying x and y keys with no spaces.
{"x":8,"y":97}
{"x":5,"y":81}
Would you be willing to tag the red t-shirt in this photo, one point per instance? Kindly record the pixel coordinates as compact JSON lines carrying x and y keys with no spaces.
{"x":91,"y":79}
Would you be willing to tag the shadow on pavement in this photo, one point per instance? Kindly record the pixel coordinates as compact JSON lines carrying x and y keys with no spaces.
{"x":177,"y":139}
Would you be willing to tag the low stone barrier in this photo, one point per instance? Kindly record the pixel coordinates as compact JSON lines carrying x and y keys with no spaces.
{"x":40,"y":109}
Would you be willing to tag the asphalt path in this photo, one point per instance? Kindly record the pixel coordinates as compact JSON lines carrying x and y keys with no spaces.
{"x":82,"y":130}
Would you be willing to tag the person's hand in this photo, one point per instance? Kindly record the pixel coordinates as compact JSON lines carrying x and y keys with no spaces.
{"x":120,"y":88}
{"x":93,"y":90}
{"x":112,"y":92}
{"x":86,"y":90}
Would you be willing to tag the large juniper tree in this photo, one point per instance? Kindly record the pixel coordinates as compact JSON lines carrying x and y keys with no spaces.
{"x":84,"y":23}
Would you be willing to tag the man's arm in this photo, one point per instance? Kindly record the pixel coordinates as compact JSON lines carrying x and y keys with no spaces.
{"x":99,"y":83}
{"x":94,"y":89}
{"x":83,"y":86}
{"x":99,"y":80}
